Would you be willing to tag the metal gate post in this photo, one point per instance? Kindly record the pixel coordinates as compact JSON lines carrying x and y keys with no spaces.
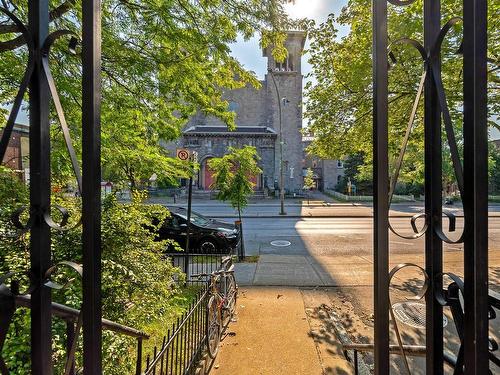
{"x":475,"y":188}
{"x":381,"y":188}
{"x":91,"y":195}
{"x":433,"y":200}
{"x":40,"y":252}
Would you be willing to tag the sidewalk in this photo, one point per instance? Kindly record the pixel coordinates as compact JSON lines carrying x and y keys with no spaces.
{"x":280,"y":331}
{"x":335,"y":271}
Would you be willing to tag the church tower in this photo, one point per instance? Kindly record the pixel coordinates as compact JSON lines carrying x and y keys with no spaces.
{"x":283,"y":85}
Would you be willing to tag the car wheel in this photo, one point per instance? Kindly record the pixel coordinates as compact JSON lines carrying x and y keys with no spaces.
{"x":208,"y":246}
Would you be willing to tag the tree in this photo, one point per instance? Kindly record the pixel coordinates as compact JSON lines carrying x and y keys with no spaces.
{"x":233,"y":175}
{"x":495,"y":170}
{"x":339,"y":100}
{"x":309,"y":182}
{"x":161,"y":62}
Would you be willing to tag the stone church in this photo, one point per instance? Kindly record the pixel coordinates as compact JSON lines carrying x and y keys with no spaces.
{"x":258,"y":124}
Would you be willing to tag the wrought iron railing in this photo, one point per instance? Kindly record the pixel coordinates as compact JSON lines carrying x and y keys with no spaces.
{"x":469,"y":166}
{"x":184,"y":343}
{"x":73,"y":319}
{"x":196,"y":263}
{"x":451,"y":297}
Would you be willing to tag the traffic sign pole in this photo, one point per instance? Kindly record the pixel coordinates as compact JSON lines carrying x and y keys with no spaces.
{"x":188,"y":229}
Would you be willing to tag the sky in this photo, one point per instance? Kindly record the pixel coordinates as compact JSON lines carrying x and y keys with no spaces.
{"x":249,"y":53}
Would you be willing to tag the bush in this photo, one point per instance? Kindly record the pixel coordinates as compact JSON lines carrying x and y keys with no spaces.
{"x":139,"y":287}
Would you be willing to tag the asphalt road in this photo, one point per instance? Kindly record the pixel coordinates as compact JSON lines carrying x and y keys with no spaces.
{"x":339,"y":236}
{"x":295,"y":209}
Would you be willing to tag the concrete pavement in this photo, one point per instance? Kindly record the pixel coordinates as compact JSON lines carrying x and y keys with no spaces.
{"x":340,"y":271}
{"x":280,"y":331}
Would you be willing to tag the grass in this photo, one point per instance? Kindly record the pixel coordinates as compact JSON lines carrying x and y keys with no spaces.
{"x":250,"y":259}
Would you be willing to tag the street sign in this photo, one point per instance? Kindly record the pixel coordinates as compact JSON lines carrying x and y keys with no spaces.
{"x":182,"y":154}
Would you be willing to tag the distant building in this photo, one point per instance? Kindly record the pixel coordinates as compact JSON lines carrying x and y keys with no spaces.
{"x":258,"y":124}
{"x":327,"y":173}
{"x":17,"y":154}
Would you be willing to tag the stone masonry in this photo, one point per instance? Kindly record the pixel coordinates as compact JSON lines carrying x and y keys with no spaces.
{"x":258,"y":124}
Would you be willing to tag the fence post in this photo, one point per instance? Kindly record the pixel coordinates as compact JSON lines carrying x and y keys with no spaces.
{"x":138,"y":364}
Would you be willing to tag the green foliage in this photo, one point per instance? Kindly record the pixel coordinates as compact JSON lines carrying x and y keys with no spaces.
{"x":495,"y":170}
{"x":139,"y":287}
{"x":309,"y":182}
{"x":339,"y":105}
{"x":233,"y":173}
{"x":161,"y":62}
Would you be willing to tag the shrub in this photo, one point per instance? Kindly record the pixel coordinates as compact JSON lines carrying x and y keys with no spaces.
{"x":138,"y":285}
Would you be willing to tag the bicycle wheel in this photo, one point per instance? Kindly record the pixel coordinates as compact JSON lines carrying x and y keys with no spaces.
{"x":213,"y":327}
{"x":231,"y":293}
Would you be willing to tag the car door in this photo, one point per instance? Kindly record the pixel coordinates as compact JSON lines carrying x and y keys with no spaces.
{"x":174,"y":228}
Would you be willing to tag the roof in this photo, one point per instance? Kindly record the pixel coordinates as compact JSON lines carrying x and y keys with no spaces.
{"x":224,"y":131}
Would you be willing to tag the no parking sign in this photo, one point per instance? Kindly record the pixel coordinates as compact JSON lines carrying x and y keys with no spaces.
{"x":182,"y":154}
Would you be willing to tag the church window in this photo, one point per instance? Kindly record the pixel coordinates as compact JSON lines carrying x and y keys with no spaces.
{"x":192,"y":142}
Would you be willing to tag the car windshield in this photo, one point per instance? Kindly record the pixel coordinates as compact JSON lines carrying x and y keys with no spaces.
{"x":197,"y":219}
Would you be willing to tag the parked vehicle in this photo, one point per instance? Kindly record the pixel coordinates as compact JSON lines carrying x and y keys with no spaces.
{"x":207,"y":236}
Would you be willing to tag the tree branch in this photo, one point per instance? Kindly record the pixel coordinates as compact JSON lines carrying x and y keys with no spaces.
{"x":19,"y":41}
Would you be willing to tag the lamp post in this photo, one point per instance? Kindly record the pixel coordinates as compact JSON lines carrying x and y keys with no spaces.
{"x":282,"y":178}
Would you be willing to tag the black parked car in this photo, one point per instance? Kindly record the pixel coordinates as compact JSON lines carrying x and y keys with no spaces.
{"x":207,"y":236}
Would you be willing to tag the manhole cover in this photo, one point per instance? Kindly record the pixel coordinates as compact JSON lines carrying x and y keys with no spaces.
{"x":281,"y":243}
{"x":412,"y":314}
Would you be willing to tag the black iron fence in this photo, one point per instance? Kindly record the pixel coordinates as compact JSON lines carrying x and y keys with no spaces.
{"x":184,"y":343}
{"x":196,"y":263}
{"x":73,"y":319}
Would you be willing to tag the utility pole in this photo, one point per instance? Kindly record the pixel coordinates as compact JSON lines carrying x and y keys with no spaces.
{"x":282,"y":177}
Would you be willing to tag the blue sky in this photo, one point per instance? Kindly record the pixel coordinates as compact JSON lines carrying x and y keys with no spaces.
{"x":249,"y":54}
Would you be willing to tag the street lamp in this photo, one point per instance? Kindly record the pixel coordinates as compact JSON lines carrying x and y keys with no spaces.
{"x":282,"y":187}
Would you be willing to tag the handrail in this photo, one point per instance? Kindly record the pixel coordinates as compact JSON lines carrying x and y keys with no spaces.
{"x":71,"y":314}
{"x":412,"y":350}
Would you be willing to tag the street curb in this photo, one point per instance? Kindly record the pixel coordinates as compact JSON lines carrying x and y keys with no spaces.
{"x":319,"y":216}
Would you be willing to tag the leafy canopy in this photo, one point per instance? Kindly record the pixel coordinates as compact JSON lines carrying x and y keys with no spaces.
{"x":233,"y":174}
{"x":339,"y":105}
{"x":161,"y":61}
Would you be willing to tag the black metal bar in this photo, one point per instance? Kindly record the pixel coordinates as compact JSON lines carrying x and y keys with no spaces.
{"x":356,"y":367}
{"x":476,"y":187}
{"x":162,"y":357}
{"x":167,"y":352}
{"x":177,"y":347}
{"x":41,"y":335}
{"x":138,"y":363}
{"x":91,"y":194}
{"x":433,"y":200}
{"x":381,"y":187}
{"x":154,"y":363}
{"x":188,"y":229}
{"x":70,"y":337}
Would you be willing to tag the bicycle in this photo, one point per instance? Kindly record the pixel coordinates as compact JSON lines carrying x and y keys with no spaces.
{"x":221,"y":304}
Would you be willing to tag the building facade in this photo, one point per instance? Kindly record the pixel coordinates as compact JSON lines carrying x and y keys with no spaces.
{"x":268,"y":118}
{"x":17,"y":153}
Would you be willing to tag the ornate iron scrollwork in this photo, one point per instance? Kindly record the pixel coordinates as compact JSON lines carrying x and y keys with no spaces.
{"x":24,"y":218}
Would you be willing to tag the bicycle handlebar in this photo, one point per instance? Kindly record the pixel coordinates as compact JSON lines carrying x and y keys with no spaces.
{"x":215,"y":273}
